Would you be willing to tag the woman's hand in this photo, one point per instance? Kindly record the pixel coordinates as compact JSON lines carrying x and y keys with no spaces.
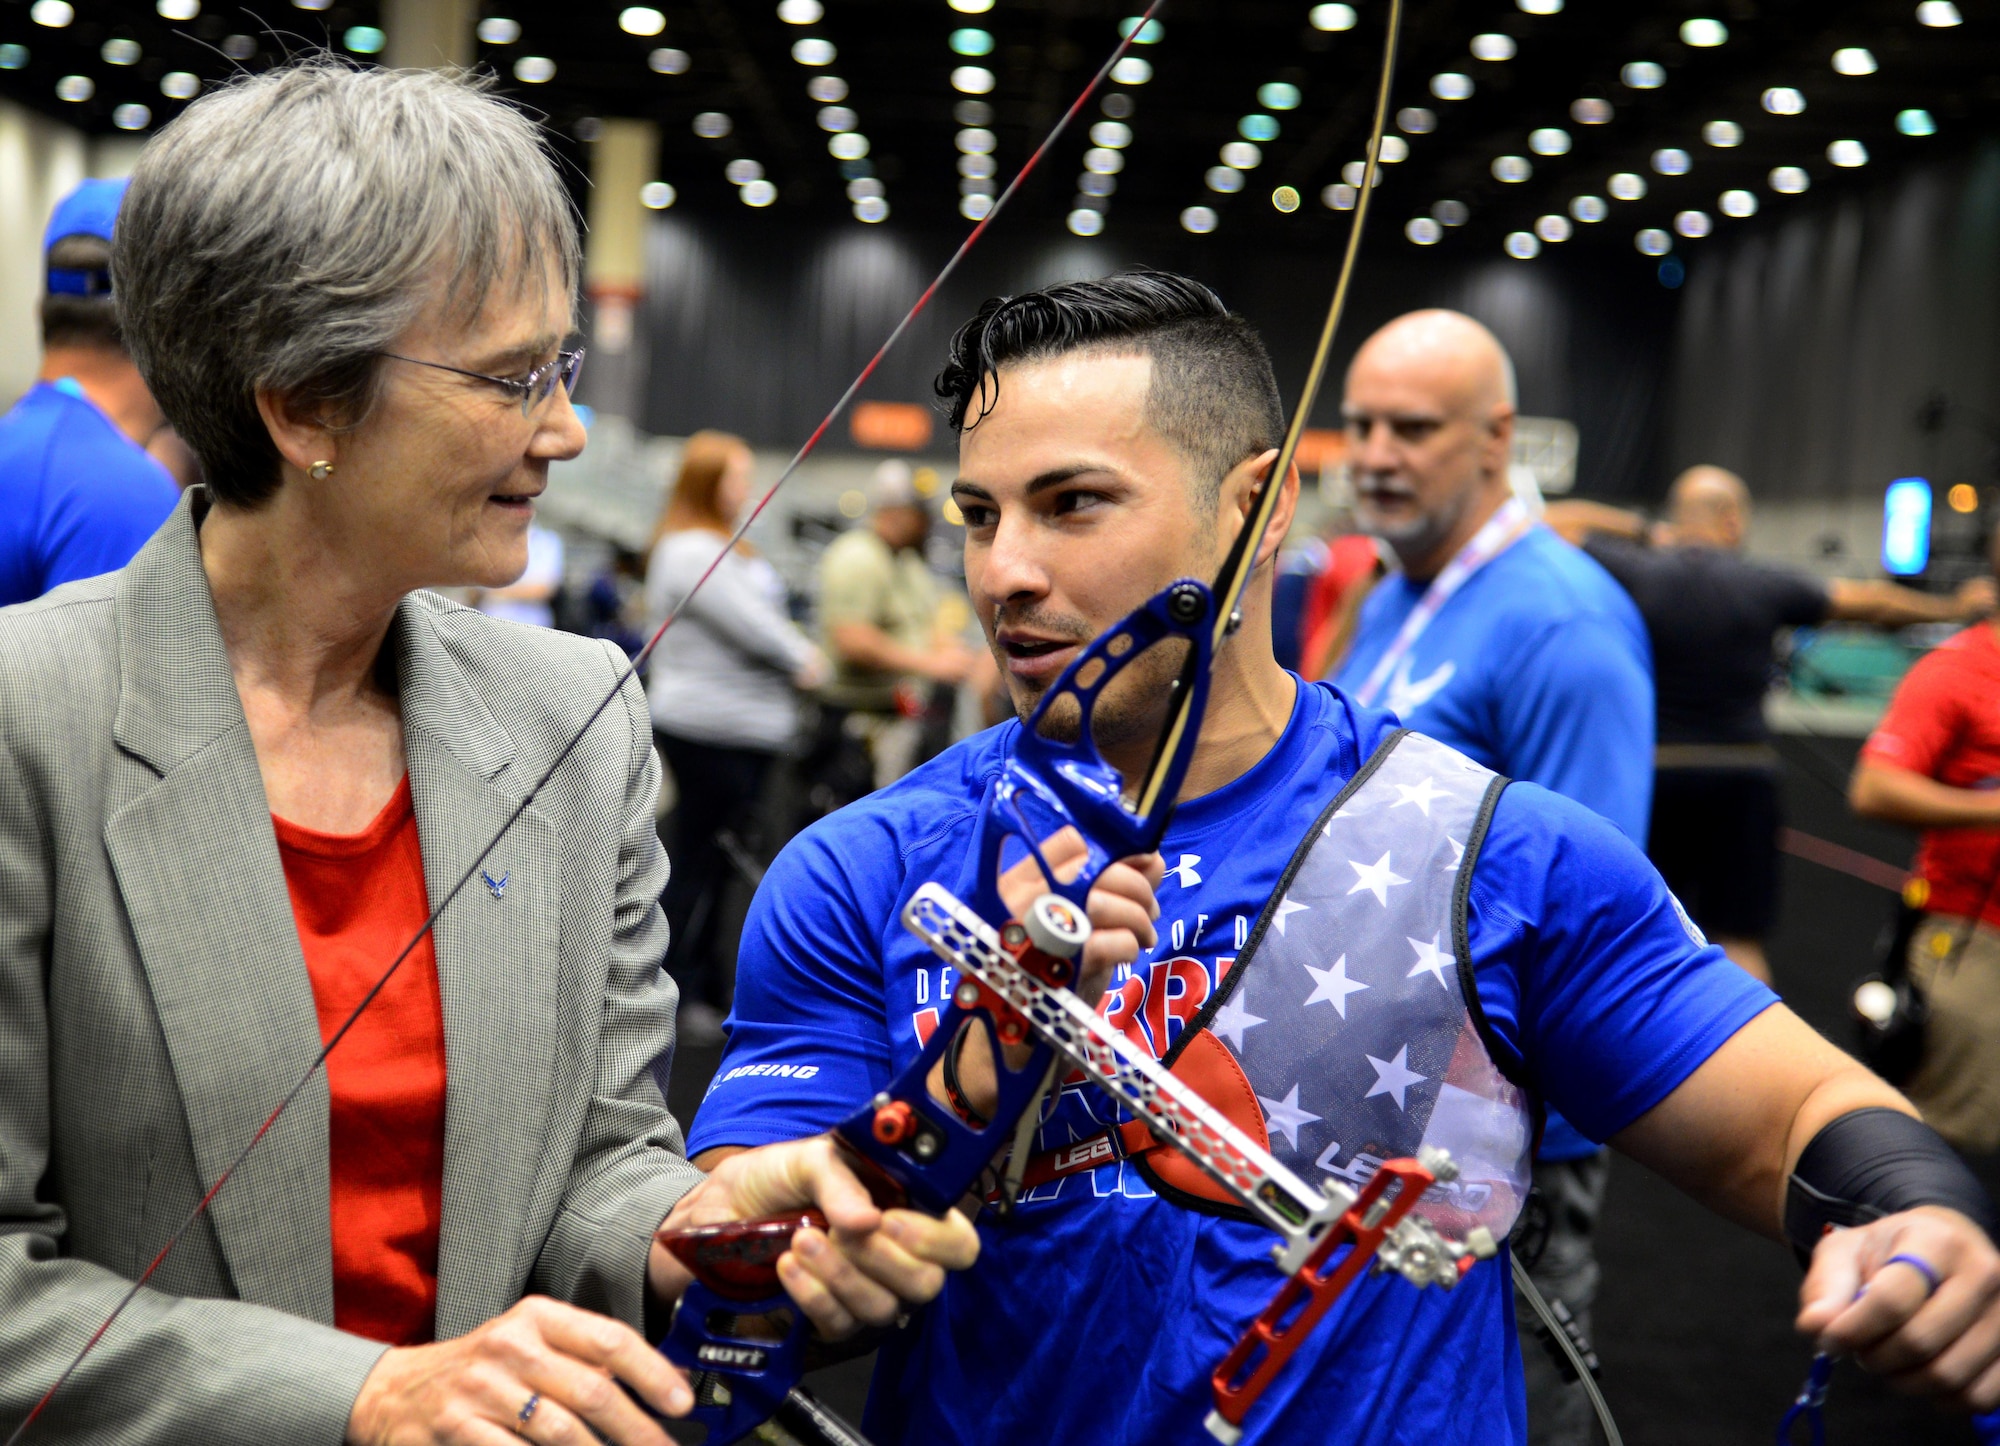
{"x":574,"y":1366}
{"x":866,"y":1268}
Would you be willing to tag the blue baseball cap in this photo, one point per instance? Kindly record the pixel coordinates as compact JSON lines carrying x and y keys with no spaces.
{"x":89,"y":210}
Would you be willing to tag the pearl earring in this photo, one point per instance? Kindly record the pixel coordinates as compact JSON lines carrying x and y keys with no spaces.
{"x":320,"y":471}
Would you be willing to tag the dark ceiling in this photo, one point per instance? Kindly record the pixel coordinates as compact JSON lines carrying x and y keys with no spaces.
{"x":1207,"y":65}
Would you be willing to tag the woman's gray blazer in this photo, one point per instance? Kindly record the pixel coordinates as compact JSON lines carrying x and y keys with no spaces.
{"x":154,"y":1007}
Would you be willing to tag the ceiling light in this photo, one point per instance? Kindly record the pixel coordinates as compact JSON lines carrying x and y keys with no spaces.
{"x":1423,"y":231}
{"x":1452,"y":213}
{"x":975,"y":208}
{"x":1354,"y":171}
{"x":1258,"y":127}
{"x":1104,"y":133}
{"x":757,"y":193}
{"x":1116,"y":105}
{"x":493,"y":30}
{"x":1854,"y":60}
{"x":1722,"y":134}
{"x":75,"y":88}
{"x":1590,"y":111}
{"x":1589,"y":209}
{"x":862,"y":189}
{"x":1523,"y":245}
{"x":131,"y":116}
{"x":1085,"y":223}
{"x":871,"y":209}
{"x":1225,"y":179}
{"x":972,"y":113}
{"x":1242,"y":155}
{"x":657,"y":195}
{"x":1394,"y":150}
{"x":1672,"y":161}
{"x":1201,"y":219}
{"x":1278,"y":95}
{"x":242,"y":47}
{"x":976,"y":142}
{"x":837,"y":118}
{"x":1693,"y":224}
{"x":1540,"y":7}
{"x":971,"y":7}
{"x":127,"y":52}
{"x":53,"y":13}
{"x":1549,"y":141}
{"x":1286,"y":199}
{"x":975,"y":186}
{"x":1848,"y":154}
{"x":800,"y":12}
{"x":972,"y":42}
{"x":1092,"y":184}
{"x":1329,"y":17}
{"x":827,"y":88}
{"x":1939,"y":14}
{"x":1450,"y":85}
{"x":532,"y":69}
{"x":976,"y":167}
{"x":188,"y":9}
{"x":1783,"y":100}
{"x":1416,"y":120}
{"x":1512,"y":169}
{"x":1339,"y":197}
{"x":1626,"y":186}
{"x":812,"y":50}
{"x":311,"y":4}
{"x":1643,"y":75}
{"x":1703,"y":34}
{"x":1552,"y":228}
{"x":1736,"y":203}
{"x":1493,"y":47}
{"x":712,"y":125}
{"x":1653,"y":242}
{"x":1148,"y":33}
{"x":180,"y":85}
{"x":743,"y":172}
{"x":1788,"y":180}
{"x":1916,"y":123}
{"x":641,"y":20}
{"x":1963,"y":497}
{"x":847,"y":146}
{"x":1132,"y":71}
{"x":669,"y":61}
{"x":972,"y":79}
{"x":1103,"y":160}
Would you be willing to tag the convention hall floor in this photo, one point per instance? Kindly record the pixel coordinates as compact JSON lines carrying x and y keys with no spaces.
{"x":1694,"y":1325}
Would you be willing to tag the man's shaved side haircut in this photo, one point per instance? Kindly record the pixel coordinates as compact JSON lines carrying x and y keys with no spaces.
{"x":1213,"y":395}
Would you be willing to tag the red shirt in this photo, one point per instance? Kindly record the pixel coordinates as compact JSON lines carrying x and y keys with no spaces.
{"x":1944,"y":723}
{"x":357,"y":899}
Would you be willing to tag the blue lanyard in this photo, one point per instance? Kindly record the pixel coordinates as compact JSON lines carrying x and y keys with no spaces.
{"x":1812,"y":1397}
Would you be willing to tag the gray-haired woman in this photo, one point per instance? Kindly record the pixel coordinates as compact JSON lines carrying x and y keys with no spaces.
{"x":235,"y":777}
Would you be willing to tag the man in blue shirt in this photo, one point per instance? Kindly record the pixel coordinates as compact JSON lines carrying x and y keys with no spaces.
{"x":78,"y":492}
{"x":1520,"y":652}
{"x":1111,"y":437}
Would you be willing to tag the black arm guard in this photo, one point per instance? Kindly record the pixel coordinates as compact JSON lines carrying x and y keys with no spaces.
{"x":1872,"y":1163}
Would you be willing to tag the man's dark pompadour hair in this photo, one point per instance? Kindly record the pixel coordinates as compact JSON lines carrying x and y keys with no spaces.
{"x":1213,"y":395}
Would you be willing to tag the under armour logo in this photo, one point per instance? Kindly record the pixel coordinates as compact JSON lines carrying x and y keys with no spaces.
{"x":497,"y":886}
{"x":1184,"y":871}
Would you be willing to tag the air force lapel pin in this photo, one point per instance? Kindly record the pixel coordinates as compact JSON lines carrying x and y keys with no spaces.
{"x":498,"y":887}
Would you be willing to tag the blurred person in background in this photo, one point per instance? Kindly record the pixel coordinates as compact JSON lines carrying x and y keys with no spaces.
{"x":1514,"y":649}
{"x":880,"y":623}
{"x":1333,"y":604}
{"x":1933,"y":763}
{"x":79,"y":490}
{"x":1712,"y":616}
{"x":723,"y":687}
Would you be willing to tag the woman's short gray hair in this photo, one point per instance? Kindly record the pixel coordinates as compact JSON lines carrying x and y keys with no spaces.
{"x":285,"y":229}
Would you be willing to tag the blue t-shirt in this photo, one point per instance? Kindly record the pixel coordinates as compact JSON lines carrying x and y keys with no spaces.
{"x":1538,"y":667}
{"x":1098,"y":1314}
{"x":77,"y":496}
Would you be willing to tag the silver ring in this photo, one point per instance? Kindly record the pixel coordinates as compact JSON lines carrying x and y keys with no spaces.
{"x":527,"y":1412}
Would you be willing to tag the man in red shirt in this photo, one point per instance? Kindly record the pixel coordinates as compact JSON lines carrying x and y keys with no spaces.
{"x":1934,"y":764}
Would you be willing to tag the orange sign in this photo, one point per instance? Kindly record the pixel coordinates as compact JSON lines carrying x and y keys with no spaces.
{"x":1321,"y":448}
{"x":891,"y":426}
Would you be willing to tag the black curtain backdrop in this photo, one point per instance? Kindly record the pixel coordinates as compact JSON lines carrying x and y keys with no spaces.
{"x":1851,"y":343}
{"x":756,"y":328}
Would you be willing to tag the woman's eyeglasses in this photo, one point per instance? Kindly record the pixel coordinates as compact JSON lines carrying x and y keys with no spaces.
{"x":532,"y":389}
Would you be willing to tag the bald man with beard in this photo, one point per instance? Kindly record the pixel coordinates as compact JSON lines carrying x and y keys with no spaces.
{"x":1496,"y":638}
{"x":1712,"y":615}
